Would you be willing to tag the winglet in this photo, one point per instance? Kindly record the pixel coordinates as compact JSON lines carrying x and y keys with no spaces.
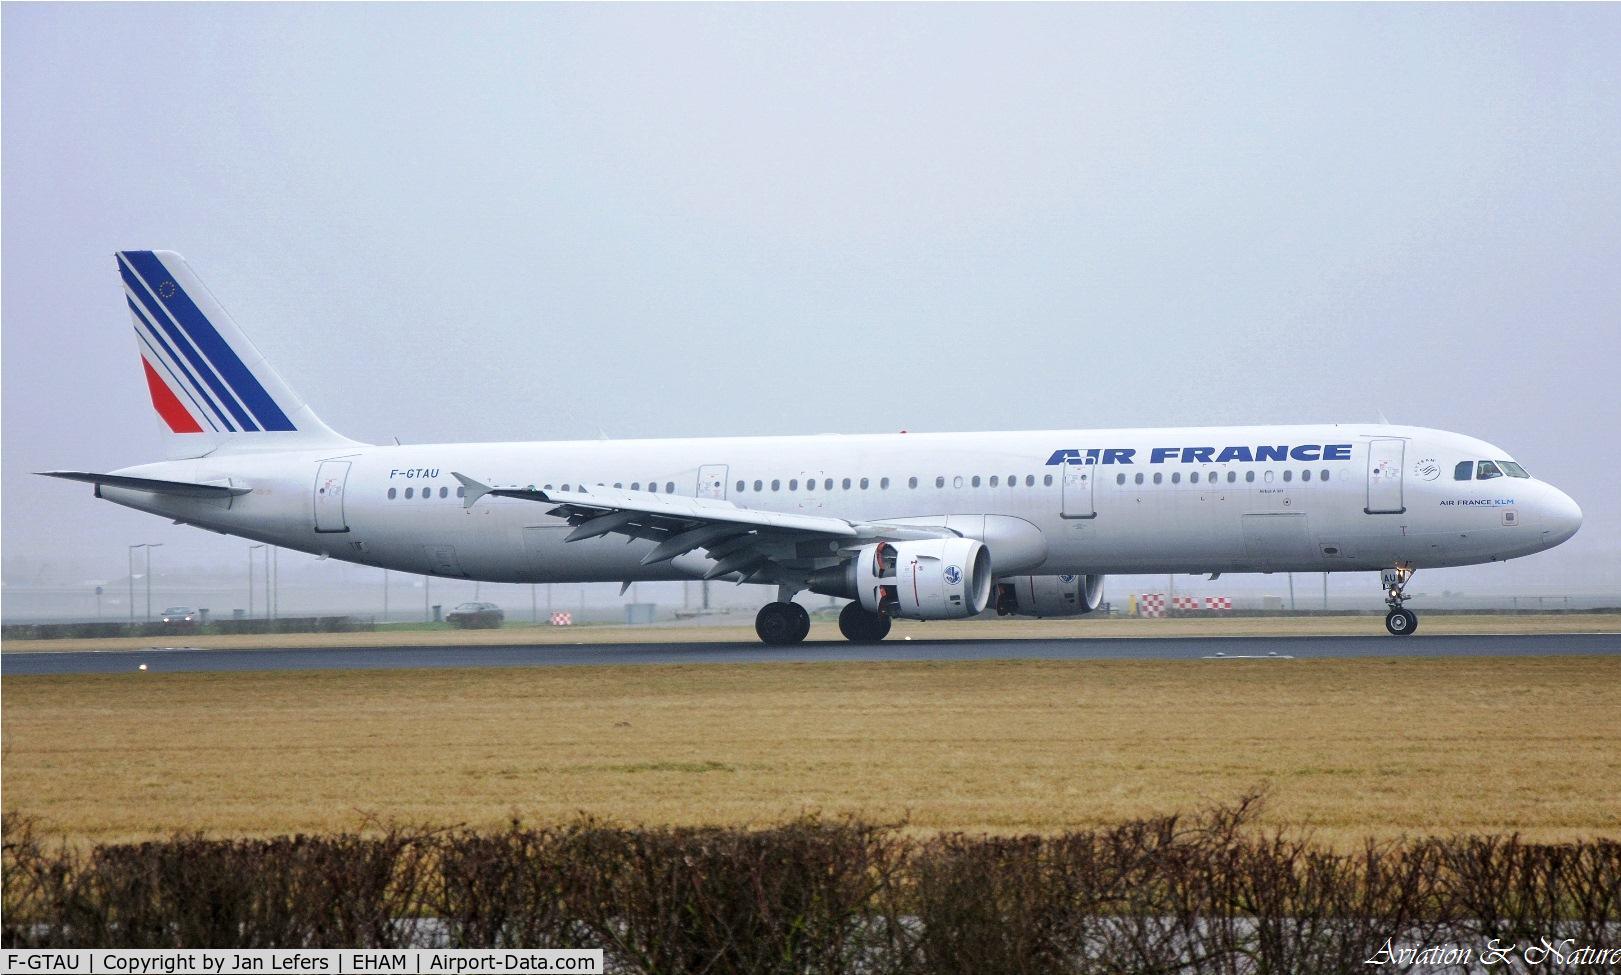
{"x":471,"y":488}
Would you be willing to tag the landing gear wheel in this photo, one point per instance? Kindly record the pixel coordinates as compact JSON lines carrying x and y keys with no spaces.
{"x":1401,"y":622}
{"x":801,"y":622}
{"x":778,"y":624}
{"x":861,"y":626}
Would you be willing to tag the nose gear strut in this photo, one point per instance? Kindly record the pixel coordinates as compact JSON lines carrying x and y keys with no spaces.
{"x":1399,"y":621}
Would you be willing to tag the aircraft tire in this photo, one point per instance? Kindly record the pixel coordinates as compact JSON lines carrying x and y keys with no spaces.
{"x":778,"y":625}
{"x":801,"y":621}
{"x":861,"y":626}
{"x":1401,"y":622}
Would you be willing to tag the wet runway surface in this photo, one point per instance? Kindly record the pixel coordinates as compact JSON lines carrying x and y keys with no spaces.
{"x":174,"y":660}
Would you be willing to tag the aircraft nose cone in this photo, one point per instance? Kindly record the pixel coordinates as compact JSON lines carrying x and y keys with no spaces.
{"x":1564,"y":516}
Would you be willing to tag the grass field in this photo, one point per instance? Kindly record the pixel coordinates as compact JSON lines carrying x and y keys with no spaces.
{"x":740,"y":629}
{"x":1349,"y":747}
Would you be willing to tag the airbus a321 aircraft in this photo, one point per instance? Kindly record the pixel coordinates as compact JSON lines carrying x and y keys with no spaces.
{"x":923,"y":526}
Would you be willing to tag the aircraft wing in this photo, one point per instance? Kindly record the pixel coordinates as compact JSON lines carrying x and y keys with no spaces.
{"x":753,"y":543}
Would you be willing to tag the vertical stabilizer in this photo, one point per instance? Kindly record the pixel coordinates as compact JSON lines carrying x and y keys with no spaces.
{"x":211,"y":388}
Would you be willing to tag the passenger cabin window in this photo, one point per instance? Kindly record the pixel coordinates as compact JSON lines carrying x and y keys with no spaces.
{"x":976,"y":480}
{"x":1120,"y":478}
{"x":1486,"y":471}
{"x":1030,"y":480}
{"x":461,"y":492}
{"x":391,"y":494}
{"x":1249,"y":477}
{"x":1288,"y":476}
{"x":1512,"y":469}
{"x":1305,"y":475}
{"x":759,"y":485}
{"x":1159,"y":478}
{"x":827,"y":484}
{"x":1047,"y":480}
{"x":444,"y":492}
{"x":940,"y":481}
{"x":956,"y":482}
{"x":1176,"y":477}
{"x":883,"y":484}
{"x":1464,"y":471}
{"x":669,"y":487}
{"x":1193,"y":478}
{"x":409,"y":493}
{"x":1138,"y":478}
{"x":993,"y":480}
{"x":739,"y":487}
{"x":776,"y":485}
{"x":911,"y":482}
{"x":1322,"y":475}
{"x":863,"y":484}
{"x":1232,"y":476}
{"x":845,"y":484}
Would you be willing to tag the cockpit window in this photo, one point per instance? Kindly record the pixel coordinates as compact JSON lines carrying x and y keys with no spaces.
{"x":1486,"y":470}
{"x":1512,"y":469}
{"x":1465,"y":471}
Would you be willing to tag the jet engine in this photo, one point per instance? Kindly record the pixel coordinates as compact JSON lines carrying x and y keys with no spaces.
{"x":931,"y":579}
{"x":1048,"y":595}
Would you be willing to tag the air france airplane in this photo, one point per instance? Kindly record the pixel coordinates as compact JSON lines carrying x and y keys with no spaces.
{"x":922,"y":526}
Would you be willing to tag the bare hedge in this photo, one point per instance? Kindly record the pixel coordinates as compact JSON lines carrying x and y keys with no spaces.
{"x":1206,"y":893}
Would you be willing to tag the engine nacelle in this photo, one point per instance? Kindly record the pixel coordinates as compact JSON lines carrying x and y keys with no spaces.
{"x":1048,"y":595}
{"x":932,"y":579}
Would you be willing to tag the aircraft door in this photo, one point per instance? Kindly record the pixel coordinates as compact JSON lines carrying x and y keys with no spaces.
{"x":1079,"y":482}
{"x":712,"y":481}
{"x":1384,"y":477}
{"x":330,"y":479}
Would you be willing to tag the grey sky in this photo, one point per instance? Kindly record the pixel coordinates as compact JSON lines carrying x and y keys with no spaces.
{"x":500,"y":222}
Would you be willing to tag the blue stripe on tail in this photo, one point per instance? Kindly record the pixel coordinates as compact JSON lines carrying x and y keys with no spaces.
{"x":211,"y":344}
{"x":162,"y":319}
{"x":148,"y":331}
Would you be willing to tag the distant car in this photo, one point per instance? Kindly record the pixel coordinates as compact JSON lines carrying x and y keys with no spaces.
{"x":476,"y":616}
{"x":180,"y":616}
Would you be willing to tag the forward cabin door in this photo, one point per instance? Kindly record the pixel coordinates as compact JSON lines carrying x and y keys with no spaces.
{"x":330,"y":478}
{"x":1384,"y":477}
{"x":712,"y":481}
{"x":1078,"y":485}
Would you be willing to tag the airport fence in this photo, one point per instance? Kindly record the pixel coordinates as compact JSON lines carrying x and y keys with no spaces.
{"x":288,"y":624}
{"x":1208,"y":893}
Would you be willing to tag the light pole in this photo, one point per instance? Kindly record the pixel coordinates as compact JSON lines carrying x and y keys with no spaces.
{"x":149,"y":547}
{"x":132,"y":549}
{"x":274,"y":578}
{"x":385,"y":595}
{"x":250,"y":578}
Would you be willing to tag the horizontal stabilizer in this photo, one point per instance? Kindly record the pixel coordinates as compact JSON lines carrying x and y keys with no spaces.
{"x":179,"y":489}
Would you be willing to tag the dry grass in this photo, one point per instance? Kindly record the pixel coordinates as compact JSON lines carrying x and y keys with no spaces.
{"x":1352,"y":747}
{"x":740,"y":629}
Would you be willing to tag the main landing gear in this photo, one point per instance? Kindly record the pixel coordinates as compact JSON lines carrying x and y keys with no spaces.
{"x":861,"y":625}
{"x":1399,"y":621}
{"x":782,"y":623}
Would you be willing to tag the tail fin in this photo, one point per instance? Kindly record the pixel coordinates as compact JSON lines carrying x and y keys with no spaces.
{"x":211,"y":388}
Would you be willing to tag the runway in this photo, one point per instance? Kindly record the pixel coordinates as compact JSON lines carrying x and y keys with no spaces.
{"x":177,"y":660}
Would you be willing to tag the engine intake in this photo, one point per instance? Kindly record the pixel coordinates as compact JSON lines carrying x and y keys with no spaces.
{"x":932,"y":579}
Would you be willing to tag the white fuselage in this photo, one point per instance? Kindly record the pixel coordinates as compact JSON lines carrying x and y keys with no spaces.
{"x":1344,"y":497}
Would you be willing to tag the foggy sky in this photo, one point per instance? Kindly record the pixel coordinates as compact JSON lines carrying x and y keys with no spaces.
{"x":508,"y":223}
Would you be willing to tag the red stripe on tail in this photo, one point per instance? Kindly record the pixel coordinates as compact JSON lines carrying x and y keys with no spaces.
{"x":168,"y":406}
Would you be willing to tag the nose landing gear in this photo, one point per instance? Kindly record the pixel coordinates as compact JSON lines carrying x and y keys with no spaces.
{"x":1399,"y":621}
